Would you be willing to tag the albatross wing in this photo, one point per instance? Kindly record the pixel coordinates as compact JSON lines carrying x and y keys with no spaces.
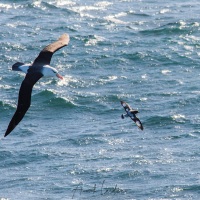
{"x":46,"y":54}
{"x":24,"y":100}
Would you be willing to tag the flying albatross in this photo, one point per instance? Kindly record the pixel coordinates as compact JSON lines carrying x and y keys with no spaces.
{"x":39,"y":68}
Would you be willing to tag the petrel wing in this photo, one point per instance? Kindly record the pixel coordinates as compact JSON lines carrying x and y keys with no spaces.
{"x":134,"y":111}
{"x":126,"y":106}
{"x":138,"y":122}
{"x":24,"y":100}
{"x":44,"y":57}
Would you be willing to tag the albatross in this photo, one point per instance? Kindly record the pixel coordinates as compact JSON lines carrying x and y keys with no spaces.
{"x":39,"y":68}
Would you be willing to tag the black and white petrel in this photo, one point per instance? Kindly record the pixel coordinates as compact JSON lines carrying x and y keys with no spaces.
{"x":132,"y":114}
{"x":39,"y":68}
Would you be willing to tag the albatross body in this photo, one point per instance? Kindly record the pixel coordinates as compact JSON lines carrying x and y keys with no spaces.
{"x":39,"y":68}
{"x":132,"y":114}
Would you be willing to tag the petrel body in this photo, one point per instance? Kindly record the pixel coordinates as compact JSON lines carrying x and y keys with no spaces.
{"x":132,"y":114}
{"x":39,"y":68}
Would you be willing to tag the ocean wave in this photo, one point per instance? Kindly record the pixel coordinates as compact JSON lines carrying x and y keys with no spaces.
{"x":170,"y":120}
{"x":114,"y":18}
{"x":4,"y":155}
{"x":176,"y":28}
{"x":86,"y":140}
{"x":135,"y":56}
{"x":9,"y":46}
{"x":63,"y":3}
{"x":194,"y":188}
{"x":165,"y":71}
{"x":50,"y":98}
{"x":190,"y":100}
{"x":102,"y":5}
{"x":159,"y":121}
{"x":94,"y":41}
{"x":5,"y":6}
{"x":59,"y":6}
{"x":181,"y":136}
{"x":165,"y":10}
{"x":7,"y":105}
{"x":24,"y":157}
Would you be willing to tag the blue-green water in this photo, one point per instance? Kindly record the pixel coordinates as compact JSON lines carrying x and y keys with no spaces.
{"x":72,"y":143}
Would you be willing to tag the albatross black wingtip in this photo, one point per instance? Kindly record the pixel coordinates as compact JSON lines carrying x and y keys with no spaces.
{"x":16,"y":66}
{"x":6,"y":133}
{"x":10,"y":128}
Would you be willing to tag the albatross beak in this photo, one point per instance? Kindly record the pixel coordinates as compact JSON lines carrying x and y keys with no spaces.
{"x":59,"y":76}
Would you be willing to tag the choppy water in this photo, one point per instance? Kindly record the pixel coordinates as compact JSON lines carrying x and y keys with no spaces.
{"x":72,"y":143}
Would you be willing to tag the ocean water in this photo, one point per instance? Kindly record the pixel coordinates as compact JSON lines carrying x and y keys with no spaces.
{"x":72,"y":142}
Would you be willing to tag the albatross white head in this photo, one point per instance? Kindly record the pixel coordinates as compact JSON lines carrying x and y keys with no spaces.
{"x":47,"y":70}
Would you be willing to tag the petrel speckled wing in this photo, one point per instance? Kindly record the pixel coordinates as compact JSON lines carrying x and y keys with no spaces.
{"x":126,"y":106}
{"x":138,"y":122}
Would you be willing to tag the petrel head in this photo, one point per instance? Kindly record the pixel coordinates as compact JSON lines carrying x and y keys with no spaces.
{"x":50,"y":71}
{"x":123,"y":103}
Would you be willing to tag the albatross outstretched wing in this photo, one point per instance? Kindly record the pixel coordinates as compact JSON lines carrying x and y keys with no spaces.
{"x":44,"y":57}
{"x":24,"y":100}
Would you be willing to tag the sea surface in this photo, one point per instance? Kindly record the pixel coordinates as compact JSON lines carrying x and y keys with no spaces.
{"x":72,"y":142}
